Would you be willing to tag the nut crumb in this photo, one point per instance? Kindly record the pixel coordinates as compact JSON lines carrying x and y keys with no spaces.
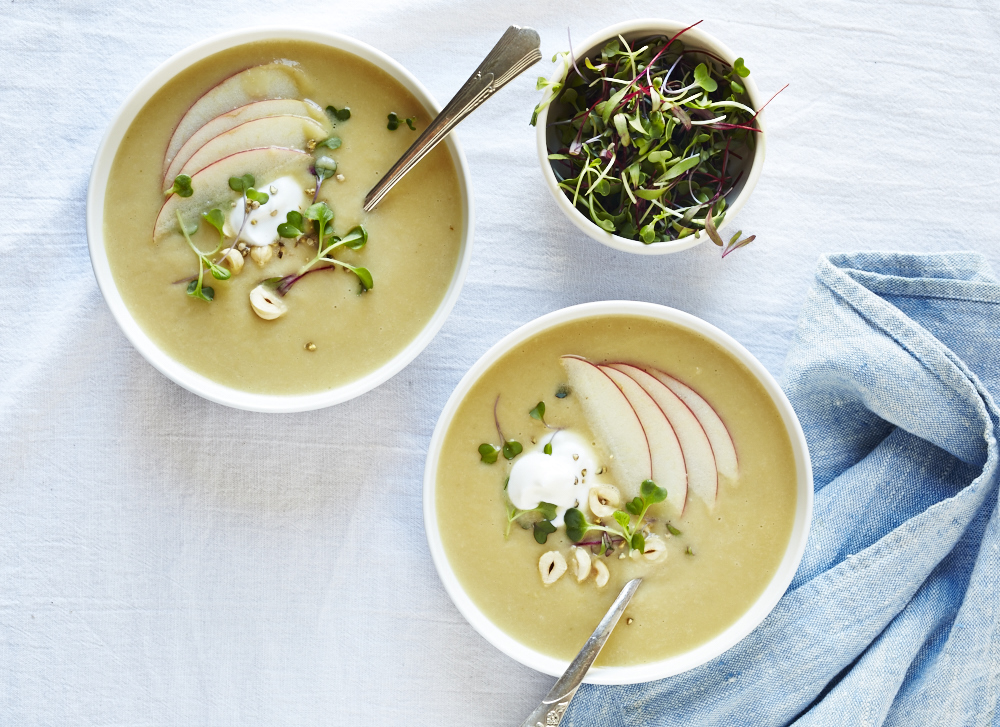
{"x":274,"y":213}
{"x":253,"y":222}
{"x":310,"y":346}
{"x":629,"y":621}
{"x":576,"y":457}
{"x":311,"y":190}
{"x":310,"y":147}
{"x":274,"y":190}
{"x":340,"y":177}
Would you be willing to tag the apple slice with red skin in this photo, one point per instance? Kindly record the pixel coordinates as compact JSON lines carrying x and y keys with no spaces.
{"x":613,"y":421}
{"x":287,"y":132}
{"x":259,"y":83}
{"x":211,"y":185}
{"x":718,"y":434}
{"x":232,"y":119}
{"x":666,"y":458}
{"x":703,"y":479}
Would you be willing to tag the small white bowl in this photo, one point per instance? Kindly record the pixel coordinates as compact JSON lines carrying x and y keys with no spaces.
{"x":675,"y":664}
{"x":693,"y":38}
{"x":181,"y":374}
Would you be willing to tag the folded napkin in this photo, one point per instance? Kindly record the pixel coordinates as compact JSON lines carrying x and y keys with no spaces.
{"x":894,"y":615}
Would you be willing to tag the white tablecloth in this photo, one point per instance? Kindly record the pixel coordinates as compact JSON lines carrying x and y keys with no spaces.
{"x":167,"y":561}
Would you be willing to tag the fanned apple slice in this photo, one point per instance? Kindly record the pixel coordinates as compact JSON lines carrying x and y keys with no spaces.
{"x":666,"y":457}
{"x":232,"y":119}
{"x":273,"y":80}
{"x":716,"y":430}
{"x":613,"y":420}
{"x":287,"y":132}
{"x":703,"y":479}
{"x":211,"y":185}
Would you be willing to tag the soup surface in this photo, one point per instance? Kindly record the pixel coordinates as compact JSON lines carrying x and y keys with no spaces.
{"x":718,"y":558}
{"x":333,"y":332}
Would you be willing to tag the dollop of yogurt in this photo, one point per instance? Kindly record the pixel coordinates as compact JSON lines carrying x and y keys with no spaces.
{"x":284,"y":195}
{"x":563,"y":478}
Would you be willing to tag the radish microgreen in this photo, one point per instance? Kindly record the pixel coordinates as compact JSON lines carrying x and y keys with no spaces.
{"x":326,"y":243}
{"x":195,"y":288}
{"x":331,"y":143}
{"x":577,"y":525}
{"x":335,"y":114}
{"x":393,"y":124}
{"x":544,"y":513}
{"x":509,"y":448}
{"x":181,"y":187}
{"x":650,"y":137}
{"x":539,"y":413}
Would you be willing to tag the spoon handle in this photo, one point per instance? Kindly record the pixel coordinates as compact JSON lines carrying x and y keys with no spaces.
{"x":514,"y":53}
{"x":550,"y":712}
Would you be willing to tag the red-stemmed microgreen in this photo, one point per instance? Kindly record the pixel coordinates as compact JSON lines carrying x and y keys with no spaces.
{"x":323,"y":168}
{"x":543,"y":516}
{"x":488,"y":452}
{"x":646,"y":134}
{"x":577,"y":525}
{"x":326,"y":243}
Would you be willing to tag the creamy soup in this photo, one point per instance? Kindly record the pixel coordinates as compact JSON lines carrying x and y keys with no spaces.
{"x":334,"y":330}
{"x":707,"y":553}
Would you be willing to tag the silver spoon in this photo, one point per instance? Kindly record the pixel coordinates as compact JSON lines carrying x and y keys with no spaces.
{"x":515,"y":52}
{"x":550,"y":712}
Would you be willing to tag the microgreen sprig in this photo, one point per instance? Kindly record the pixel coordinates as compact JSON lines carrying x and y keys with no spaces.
{"x":545,"y":513}
{"x":326,"y":243}
{"x":196,"y":288}
{"x":335,"y":114}
{"x":181,"y":187}
{"x":323,"y":168}
{"x":651,"y":137}
{"x":393,"y":124}
{"x":577,"y":525}
{"x":488,"y":453}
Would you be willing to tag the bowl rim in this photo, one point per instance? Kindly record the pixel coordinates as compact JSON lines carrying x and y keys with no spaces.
{"x":670,"y":666}
{"x":583,"y":223}
{"x":171,"y":368}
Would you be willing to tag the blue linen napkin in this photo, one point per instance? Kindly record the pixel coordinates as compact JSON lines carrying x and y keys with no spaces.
{"x":894,"y":615}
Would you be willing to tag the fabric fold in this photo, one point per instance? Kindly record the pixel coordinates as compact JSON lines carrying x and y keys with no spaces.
{"x":894,"y":615}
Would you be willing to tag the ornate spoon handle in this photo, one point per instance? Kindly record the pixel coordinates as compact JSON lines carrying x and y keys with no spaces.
{"x":514,"y":53}
{"x":550,"y":712}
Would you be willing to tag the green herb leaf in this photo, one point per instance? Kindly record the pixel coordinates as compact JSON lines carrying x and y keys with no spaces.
{"x":319,"y":212}
{"x":547,"y":509}
{"x":488,"y":453}
{"x":704,"y":79}
{"x":672,"y":530}
{"x":332,"y":142}
{"x":181,"y":187}
{"x":410,"y":122}
{"x":336,"y":114}
{"x":576,"y":525}
{"x":543,"y":529}
{"x":638,"y":542}
{"x":538,"y":412}
{"x":254,"y":196}
{"x":325,"y":167}
{"x":215,"y":218}
{"x":622,"y":518}
{"x":189,"y":228}
{"x":634,"y":506}
{"x":355,"y":238}
{"x":737,"y":87}
{"x":393,"y":121}
{"x":680,"y":167}
{"x":651,"y":494}
{"x":367,"y":282}
{"x":241,"y":184}
{"x":288,"y":230}
{"x":547,"y":448}
{"x":741,"y":68}
{"x":512,"y":449}
{"x":219,"y":272}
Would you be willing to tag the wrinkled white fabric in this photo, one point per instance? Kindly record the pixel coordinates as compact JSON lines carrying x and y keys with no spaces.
{"x":162,"y":563}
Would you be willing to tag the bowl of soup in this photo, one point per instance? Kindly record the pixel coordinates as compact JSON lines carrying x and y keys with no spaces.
{"x":608,"y":441}
{"x":226,"y":228}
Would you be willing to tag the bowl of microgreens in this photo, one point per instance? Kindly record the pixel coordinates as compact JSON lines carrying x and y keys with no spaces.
{"x":651,"y":137}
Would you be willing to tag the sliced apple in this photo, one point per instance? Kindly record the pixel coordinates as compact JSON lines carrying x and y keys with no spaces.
{"x":666,"y":457}
{"x":232,"y":119}
{"x":273,"y":80}
{"x":287,"y":132}
{"x":716,"y":430}
{"x":613,"y":422}
{"x":211,"y":184}
{"x":703,"y":479}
